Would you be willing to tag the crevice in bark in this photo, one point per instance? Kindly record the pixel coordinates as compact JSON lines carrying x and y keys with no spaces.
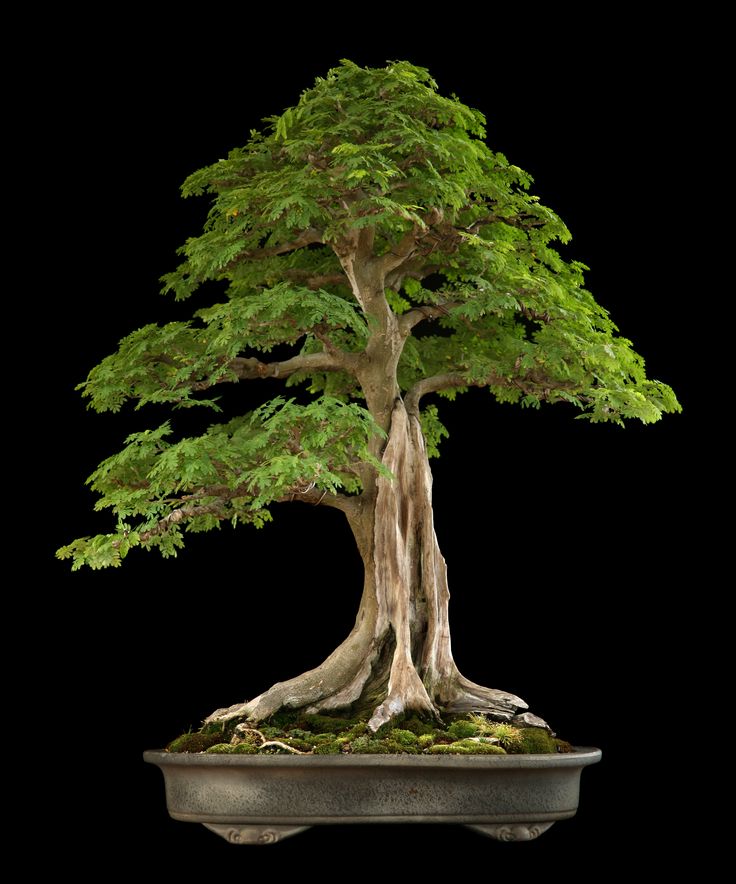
{"x":398,"y":658}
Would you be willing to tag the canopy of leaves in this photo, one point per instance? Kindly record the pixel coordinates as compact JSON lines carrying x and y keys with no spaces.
{"x":469,"y":268}
{"x":232,"y":472}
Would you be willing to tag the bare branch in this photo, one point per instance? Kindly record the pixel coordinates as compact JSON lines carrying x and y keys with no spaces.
{"x":534,"y":383}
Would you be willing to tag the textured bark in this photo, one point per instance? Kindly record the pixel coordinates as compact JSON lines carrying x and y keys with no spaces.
{"x":398,"y":657}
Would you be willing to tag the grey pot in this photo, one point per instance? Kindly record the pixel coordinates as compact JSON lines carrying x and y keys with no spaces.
{"x":262,"y":799}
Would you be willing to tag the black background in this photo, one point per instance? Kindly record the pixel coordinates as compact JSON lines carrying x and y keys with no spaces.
{"x":565,"y":541}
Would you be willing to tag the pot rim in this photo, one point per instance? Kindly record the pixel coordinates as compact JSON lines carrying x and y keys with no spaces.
{"x":581,"y":756}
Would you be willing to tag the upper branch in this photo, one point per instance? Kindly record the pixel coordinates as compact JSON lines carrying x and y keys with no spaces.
{"x":309,"y":236}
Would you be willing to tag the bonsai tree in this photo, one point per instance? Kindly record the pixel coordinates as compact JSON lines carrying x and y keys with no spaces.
{"x":370,"y":251}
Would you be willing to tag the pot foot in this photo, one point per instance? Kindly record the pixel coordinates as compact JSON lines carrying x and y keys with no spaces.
{"x":513,"y":831}
{"x":254,"y":834}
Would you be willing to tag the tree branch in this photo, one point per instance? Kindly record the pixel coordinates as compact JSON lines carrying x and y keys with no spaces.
{"x":250,"y":368}
{"x":180,"y":515}
{"x":401,"y":252}
{"x":415,"y":316}
{"x":309,"y":236}
{"x":535,"y":384}
{"x":315,"y":497}
{"x":406,"y":247}
{"x":317,"y":281}
{"x":521,"y":221}
{"x":310,"y":494}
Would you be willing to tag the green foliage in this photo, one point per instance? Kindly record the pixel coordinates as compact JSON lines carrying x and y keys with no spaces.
{"x":374,"y":150}
{"x":232,"y":472}
{"x":433,"y":430}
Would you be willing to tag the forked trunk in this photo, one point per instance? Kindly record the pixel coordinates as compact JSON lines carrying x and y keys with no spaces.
{"x":398,"y":657}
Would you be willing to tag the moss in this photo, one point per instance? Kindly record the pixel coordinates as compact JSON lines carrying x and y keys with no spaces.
{"x":384,"y":730}
{"x":319,"y":739}
{"x":390,"y":747}
{"x":466,"y":747}
{"x":480,"y":747}
{"x":403,"y":737}
{"x":248,"y":737}
{"x":331,"y":748}
{"x":323,"y":724}
{"x":460,"y":730}
{"x":331,"y":735}
{"x":356,"y":731}
{"x":360,"y":744}
{"x":534,"y":741}
{"x":417,"y":726}
{"x":506,"y":734}
{"x":196,"y":742}
{"x":301,"y":745}
{"x":216,"y":727}
{"x":284,"y":720}
{"x":271,"y":733}
{"x":367,"y":745}
{"x":221,"y":749}
{"x":447,"y":749}
{"x":300,"y":734}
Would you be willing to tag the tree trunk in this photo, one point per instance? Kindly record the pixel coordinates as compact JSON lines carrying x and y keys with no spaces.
{"x":398,"y":657}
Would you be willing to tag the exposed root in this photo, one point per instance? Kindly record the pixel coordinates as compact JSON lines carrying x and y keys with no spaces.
{"x":406,"y":693}
{"x":334,"y":684}
{"x":466,"y":696}
{"x":398,"y":658}
{"x":228,"y":713}
{"x":281,"y":745}
{"x":241,"y":730}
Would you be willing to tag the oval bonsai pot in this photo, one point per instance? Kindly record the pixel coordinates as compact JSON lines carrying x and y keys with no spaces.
{"x":261,"y":799}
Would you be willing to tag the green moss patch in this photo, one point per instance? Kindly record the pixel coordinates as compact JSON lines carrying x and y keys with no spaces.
{"x":302,"y":734}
